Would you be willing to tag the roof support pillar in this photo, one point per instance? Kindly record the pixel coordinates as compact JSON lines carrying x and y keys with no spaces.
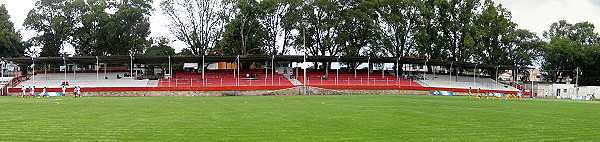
{"x":97,"y":69}
{"x":131,"y":69}
{"x":474,"y":73}
{"x":450,"y":70}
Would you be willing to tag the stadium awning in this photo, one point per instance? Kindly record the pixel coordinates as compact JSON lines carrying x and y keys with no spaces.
{"x":247,"y":58}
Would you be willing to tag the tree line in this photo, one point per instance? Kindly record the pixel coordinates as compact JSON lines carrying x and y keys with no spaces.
{"x":450,"y":30}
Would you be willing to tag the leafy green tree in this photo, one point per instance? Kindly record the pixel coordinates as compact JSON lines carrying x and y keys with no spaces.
{"x":526,"y":48}
{"x":428,"y":40}
{"x":10,"y":40}
{"x":277,"y":14}
{"x":92,"y":38}
{"x":401,"y":22}
{"x":198,"y":23}
{"x":93,"y":27}
{"x":121,"y":33}
{"x":55,"y":20}
{"x":492,"y":30}
{"x":572,"y":47}
{"x":131,"y":26}
{"x":160,"y":48}
{"x":562,"y":57}
{"x":582,"y":32}
{"x":319,"y":27}
{"x":244,"y":35}
{"x":455,"y":18}
{"x":359,"y":34}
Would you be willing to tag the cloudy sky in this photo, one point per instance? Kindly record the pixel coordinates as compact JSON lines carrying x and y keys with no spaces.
{"x":534,"y":15}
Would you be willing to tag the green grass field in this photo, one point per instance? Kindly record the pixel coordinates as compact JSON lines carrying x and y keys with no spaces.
{"x":297,"y":118}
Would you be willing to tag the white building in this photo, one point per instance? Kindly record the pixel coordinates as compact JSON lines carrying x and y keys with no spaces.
{"x":565,"y":90}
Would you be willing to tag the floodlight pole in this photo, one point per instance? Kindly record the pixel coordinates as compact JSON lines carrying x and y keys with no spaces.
{"x":304,"y":63}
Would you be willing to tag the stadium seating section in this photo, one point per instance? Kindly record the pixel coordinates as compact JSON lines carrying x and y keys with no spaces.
{"x":361,"y":78}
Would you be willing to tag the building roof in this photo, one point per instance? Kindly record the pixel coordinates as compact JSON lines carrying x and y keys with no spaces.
{"x":247,"y":58}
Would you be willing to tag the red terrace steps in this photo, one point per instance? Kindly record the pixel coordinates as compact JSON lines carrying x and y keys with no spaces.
{"x":218,"y":78}
{"x":362,"y":78}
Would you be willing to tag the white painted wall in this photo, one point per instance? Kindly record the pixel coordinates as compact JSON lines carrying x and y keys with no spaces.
{"x":566,"y":90}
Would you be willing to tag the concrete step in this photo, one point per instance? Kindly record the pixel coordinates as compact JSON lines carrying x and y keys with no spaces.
{"x":152,"y":83}
{"x":294,"y":81}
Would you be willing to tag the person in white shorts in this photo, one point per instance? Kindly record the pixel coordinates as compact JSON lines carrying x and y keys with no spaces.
{"x":43,"y":93}
{"x":32,"y":91}
{"x":23,"y":94}
{"x":64,"y":91}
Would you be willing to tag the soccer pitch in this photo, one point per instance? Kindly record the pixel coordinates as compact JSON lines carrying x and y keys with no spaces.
{"x":297,"y":118}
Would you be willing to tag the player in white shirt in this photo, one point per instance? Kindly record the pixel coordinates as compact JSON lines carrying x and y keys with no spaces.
{"x":32,"y":91}
{"x":23,"y":90}
{"x":43,"y":94}
{"x":64,"y":91}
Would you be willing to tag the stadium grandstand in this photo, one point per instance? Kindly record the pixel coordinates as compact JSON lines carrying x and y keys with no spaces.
{"x":257,"y":71}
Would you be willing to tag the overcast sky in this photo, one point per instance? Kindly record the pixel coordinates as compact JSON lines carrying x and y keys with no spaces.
{"x":534,"y":15}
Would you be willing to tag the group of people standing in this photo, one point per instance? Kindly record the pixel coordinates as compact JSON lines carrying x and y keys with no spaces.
{"x":44,"y":93}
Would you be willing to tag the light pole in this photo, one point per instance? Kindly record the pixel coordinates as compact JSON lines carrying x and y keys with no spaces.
{"x":304,"y":63}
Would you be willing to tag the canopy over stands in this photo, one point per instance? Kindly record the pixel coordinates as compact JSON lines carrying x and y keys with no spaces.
{"x":247,"y":58}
